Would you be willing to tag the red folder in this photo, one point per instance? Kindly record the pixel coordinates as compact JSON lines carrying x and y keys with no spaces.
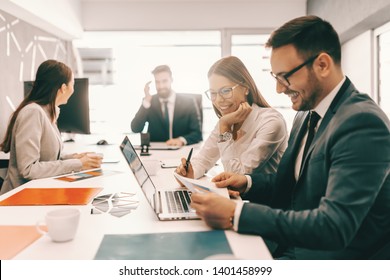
{"x":51,"y":196}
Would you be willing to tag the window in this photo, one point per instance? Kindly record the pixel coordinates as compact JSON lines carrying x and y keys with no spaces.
{"x":383,"y":67}
{"x":189,"y":54}
{"x":250,"y":48}
{"x":135,"y":54}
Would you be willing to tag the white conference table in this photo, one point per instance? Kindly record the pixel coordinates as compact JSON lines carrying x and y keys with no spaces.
{"x":92,"y":228}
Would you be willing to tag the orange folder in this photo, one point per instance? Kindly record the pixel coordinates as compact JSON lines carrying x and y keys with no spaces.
{"x":80,"y":175}
{"x":51,"y":196}
{"x":14,"y":239}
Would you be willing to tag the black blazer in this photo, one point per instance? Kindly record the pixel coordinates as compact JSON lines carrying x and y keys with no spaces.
{"x":186,"y":120}
{"x":339,"y":208}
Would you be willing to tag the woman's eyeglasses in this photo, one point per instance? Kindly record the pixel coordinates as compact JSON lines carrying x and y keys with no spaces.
{"x":225,"y":93}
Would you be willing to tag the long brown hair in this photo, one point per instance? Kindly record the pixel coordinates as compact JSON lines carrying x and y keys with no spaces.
{"x":233,"y":69}
{"x":51,"y":75}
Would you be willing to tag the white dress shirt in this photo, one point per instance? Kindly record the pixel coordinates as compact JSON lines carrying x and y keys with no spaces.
{"x":320,"y":109}
{"x":171,"y":110}
{"x":261,"y":142}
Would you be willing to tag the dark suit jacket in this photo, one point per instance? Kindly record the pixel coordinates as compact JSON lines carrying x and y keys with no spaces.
{"x":186,"y":120}
{"x":339,"y":208}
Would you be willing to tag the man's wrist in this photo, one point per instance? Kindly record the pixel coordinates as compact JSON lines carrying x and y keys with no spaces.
{"x":232,"y":222}
{"x":182,"y":139}
{"x":146,"y":103}
{"x":236,"y":217}
{"x":248,"y":183}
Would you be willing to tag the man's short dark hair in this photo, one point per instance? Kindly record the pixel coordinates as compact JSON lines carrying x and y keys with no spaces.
{"x":162,"y":68}
{"x":310,"y":35}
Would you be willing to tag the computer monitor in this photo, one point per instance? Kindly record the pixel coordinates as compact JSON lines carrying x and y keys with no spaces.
{"x":74,"y":115}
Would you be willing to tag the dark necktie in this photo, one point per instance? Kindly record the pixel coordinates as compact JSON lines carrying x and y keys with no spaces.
{"x":166,"y":115}
{"x":313,"y":120}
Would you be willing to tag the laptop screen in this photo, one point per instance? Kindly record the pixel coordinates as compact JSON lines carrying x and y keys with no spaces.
{"x":139,"y":171}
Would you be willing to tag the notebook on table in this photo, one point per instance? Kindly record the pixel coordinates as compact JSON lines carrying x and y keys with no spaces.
{"x":168,"y":204}
{"x":51,"y":196}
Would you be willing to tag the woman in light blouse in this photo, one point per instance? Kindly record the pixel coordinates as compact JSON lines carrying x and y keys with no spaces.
{"x":32,"y":136}
{"x":249,"y":136}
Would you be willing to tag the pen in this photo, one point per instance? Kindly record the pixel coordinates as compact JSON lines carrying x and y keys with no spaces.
{"x":188,"y":159}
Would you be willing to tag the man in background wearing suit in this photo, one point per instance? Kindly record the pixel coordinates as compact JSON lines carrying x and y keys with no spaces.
{"x":173,"y":118}
{"x":330,"y":197}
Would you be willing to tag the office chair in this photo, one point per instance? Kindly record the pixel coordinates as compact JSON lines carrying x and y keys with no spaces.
{"x":197,"y":98}
{"x":3,"y":165}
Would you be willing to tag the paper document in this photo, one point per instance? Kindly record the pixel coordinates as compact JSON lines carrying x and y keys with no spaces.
{"x":201,"y":186}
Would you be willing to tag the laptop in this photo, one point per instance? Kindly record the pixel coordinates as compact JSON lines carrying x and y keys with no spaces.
{"x":159,"y":146}
{"x":168,"y":204}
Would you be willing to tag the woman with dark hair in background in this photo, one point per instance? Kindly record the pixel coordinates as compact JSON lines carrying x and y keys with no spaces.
{"x":249,"y":136}
{"x":32,"y":135}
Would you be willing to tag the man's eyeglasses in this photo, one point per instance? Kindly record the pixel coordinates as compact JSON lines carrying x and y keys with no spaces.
{"x":283,"y":78}
{"x":225,"y":93}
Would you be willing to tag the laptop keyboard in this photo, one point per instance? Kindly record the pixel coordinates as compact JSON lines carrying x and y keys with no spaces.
{"x":178,"y":201}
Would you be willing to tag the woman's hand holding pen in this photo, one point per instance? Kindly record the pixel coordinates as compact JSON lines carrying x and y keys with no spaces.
{"x":181,"y":169}
{"x":185,"y":168}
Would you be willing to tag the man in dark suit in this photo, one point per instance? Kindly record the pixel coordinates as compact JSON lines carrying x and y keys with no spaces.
{"x":330,"y":200}
{"x":173,"y":118}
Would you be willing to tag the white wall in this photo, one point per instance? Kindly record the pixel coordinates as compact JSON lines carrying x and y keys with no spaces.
{"x":58,"y":17}
{"x":357,"y":62}
{"x":351,"y":18}
{"x":68,"y":18}
{"x":188,"y":15}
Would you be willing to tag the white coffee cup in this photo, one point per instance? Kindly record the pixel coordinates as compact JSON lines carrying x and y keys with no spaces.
{"x":61,"y":224}
{"x":152,"y":166}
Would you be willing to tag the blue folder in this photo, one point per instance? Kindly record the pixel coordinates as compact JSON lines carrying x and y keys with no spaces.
{"x":163,"y":246}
